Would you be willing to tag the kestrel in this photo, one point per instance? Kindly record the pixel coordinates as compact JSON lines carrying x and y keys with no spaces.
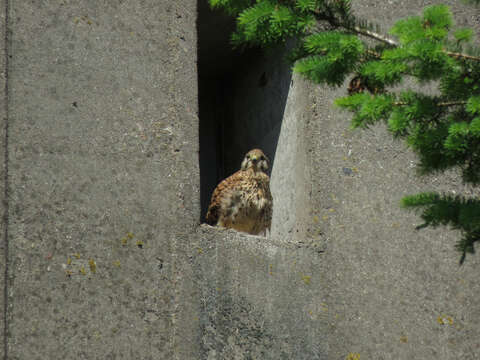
{"x":243,"y":200}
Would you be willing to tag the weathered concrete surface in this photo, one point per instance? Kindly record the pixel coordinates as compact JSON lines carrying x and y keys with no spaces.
{"x":381,"y":290}
{"x":3,"y":117}
{"x":103,"y":179}
{"x":290,"y":173}
{"x":392,"y":292}
{"x":260,"y":299}
{"x":106,"y":257}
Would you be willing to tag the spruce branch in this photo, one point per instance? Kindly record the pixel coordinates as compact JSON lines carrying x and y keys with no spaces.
{"x":373,"y":53}
{"x":461,"y":55}
{"x":391,"y":42}
{"x":441,"y":104}
{"x":372,"y":34}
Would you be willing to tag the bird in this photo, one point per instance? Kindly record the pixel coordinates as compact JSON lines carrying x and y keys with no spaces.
{"x":243,"y":201}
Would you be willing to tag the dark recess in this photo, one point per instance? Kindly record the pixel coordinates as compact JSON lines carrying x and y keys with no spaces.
{"x":235,"y":89}
{"x":217,"y":62}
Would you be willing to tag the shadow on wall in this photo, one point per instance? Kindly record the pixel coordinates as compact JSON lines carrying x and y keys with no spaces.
{"x":242,"y":99}
{"x":234,"y":329}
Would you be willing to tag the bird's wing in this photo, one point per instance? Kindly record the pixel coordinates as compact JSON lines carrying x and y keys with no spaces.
{"x":222,"y":190}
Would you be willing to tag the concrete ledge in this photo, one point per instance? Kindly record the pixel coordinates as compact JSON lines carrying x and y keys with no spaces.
{"x":260,"y":299}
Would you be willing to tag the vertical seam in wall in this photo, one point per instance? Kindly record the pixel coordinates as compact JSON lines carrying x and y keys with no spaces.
{"x":5,"y":182}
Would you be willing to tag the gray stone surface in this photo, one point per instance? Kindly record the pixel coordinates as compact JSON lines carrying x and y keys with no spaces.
{"x":385,"y":291}
{"x":290,"y":173}
{"x":393,"y":292}
{"x":3,"y":116}
{"x":107,"y":259}
{"x":104,"y":178}
{"x":260,"y":299}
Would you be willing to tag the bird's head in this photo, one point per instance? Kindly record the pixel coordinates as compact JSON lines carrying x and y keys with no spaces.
{"x":255,"y":159}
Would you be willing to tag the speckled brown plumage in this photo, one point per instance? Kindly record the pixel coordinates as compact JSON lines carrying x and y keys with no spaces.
{"x":243,"y":200}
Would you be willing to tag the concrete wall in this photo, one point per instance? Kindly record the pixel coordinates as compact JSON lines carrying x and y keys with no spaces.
{"x":3,"y":117}
{"x":106,"y":258}
{"x":103,"y":176}
{"x":260,"y":298}
{"x":393,"y":292}
{"x":377,"y":288}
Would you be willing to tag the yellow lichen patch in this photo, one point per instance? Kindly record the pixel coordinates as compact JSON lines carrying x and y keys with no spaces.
{"x":445,"y":320}
{"x":325,"y":217}
{"x":77,"y":255}
{"x":69,"y":260}
{"x":130,"y":235}
{"x":69,"y":273}
{"x":116,"y":263}
{"x":199,"y":250}
{"x":403,"y":339}
{"x":93,"y":266}
{"x":316,"y":219}
{"x":270,"y":269}
{"x":84,"y":19}
{"x":83,"y":271}
{"x":306,"y":279}
{"x":353,"y":356}
{"x":124,"y":241}
{"x":331,"y":210}
{"x":140,"y":243}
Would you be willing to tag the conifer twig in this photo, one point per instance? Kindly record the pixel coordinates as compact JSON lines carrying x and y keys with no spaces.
{"x":460,"y":55}
{"x":372,"y":35}
{"x":373,"y":53}
{"x":382,"y":38}
{"x":379,"y":37}
{"x":452,"y":103}
{"x":444,"y":104}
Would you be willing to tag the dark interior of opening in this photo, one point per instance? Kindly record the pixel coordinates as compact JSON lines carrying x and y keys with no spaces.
{"x":242,"y":97}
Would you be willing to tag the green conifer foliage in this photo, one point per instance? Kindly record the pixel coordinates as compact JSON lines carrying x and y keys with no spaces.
{"x":442,"y":129}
